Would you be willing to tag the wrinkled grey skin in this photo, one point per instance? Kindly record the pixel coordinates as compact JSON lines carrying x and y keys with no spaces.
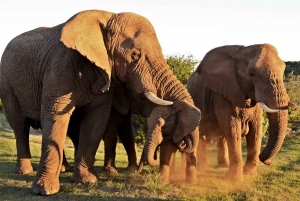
{"x":50,"y":75}
{"x":162,"y":127}
{"x":228,"y":87}
{"x":121,"y":125}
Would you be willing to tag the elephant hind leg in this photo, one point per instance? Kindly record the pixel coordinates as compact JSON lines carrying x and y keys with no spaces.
{"x":223,"y":157}
{"x":126,"y":136}
{"x":20,"y":126}
{"x":65,"y":167}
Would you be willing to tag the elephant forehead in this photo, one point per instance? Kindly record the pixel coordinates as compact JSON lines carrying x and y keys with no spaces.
{"x":269,"y":59}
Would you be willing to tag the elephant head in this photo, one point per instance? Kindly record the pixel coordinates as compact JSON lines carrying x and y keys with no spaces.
{"x":177,"y":123}
{"x":126,"y":48}
{"x":254,"y":72}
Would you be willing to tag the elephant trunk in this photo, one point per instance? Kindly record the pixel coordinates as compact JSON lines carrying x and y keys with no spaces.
{"x":170,"y":88}
{"x":151,"y":146}
{"x":189,"y":143}
{"x":277,"y":132}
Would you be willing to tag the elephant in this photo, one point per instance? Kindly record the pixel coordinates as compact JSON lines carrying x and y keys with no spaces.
{"x":180,"y":114}
{"x":231,"y":86}
{"x":51,"y":75}
{"x":162,"y":125}
{"x":119,"y":126}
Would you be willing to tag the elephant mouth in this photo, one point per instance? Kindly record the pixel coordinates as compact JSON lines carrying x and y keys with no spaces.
{"x":186,"y":144}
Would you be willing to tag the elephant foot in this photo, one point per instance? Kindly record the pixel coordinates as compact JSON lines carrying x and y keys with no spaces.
{"x":191,"y":180}
{"x":65,"y":167}
{"x":191,"y":175}
{"x":84,"y":176}
{"x":222,"y":165}
{"x":45,"y":185}
{"x":250,"y":171}
{"x":165,"y":180}
{"x":23,"y":167}
{"x":110,"y":169}
{"x":132,"y":167}
{"x":234,"y":176}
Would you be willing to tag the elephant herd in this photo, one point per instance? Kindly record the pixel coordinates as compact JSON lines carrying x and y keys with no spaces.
{"x":85,"y":77}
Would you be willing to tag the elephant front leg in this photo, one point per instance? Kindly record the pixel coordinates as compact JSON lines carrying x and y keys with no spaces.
{"x":92,"y":129}
{"x":231,"y":127}
{"x":190,"y":171}
{"x":46,"y":181}
{"x":253,"y":140}
{"x":201,"y":154}
{"x":233,"y":138}
{"x":167,"y":152}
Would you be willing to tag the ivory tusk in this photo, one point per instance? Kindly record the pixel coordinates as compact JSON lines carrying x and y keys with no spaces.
{"x":265,"y":108}
{"x":292,"y":105}
{"x":153,"y":98}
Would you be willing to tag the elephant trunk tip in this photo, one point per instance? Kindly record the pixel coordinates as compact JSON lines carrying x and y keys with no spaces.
{"x":267,"y":161}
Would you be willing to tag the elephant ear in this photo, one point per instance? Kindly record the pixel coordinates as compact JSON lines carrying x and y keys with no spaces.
{"x":188,"y":119}
{"x":218,"y":72}
{"x":84,"y":33}
{"x":121,"y":100}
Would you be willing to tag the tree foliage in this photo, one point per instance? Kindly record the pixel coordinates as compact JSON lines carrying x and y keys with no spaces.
{"x":292,"y":85}
{"x":182,"y":66}
{"x":292,"y":66}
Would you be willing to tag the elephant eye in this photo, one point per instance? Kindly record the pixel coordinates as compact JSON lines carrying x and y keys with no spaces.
{"x":135,"y":55}
{"x":251,"y":74}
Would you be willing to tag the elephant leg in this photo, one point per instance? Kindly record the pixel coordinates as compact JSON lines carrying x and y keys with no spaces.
{"x":183,"y":161}
{"x":65,"y":167}
{"x":92,"y":130}
{"x":126,"y":136}
{"x":201,"y":154}
{"x":23,"y":165}
{"x":110,"y":142}
{"x":167,"y":152}
{"x":190,"y":170}
{"x":233,"y":138}
{"x":253,"y":139}
{"x":21,"y":130}
{"x":223,"y":158}
{"x":54,"y":124}
{"x":231,"y":127}
{"x":173,"y":163}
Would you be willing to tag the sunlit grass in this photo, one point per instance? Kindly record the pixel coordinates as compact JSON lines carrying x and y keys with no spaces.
{"x":281,"y":181}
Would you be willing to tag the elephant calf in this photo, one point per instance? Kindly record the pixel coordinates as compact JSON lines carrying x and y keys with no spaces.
{"x":162,"y":124}
{"x":231,"y":86}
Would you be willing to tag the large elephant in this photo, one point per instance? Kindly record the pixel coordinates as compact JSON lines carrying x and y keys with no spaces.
{"x":229,"y":86}
{"x":48,"y":75}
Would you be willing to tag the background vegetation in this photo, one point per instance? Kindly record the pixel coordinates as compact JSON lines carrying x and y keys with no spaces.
{"x":281,"y":181}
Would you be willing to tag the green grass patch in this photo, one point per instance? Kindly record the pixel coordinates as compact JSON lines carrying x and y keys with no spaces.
{"x":281,"y":181}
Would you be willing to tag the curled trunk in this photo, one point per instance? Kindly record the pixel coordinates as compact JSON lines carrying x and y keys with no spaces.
{"x":154,"y":137}
{"x":277,"y":131}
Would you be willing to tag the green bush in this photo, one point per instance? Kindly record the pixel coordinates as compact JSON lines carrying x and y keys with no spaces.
{"x":292,"y":85}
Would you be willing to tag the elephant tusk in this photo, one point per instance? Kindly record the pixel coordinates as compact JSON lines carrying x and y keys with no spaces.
{"x":293,"y":105}
{"x":153,"y":98}
{"x":265,"y":108}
